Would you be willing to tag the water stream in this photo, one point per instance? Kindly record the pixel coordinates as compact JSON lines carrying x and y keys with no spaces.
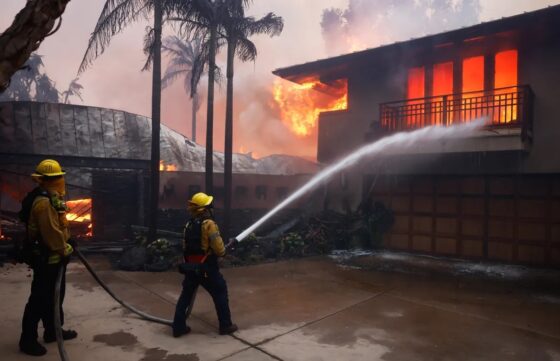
{"x":396,"y":142}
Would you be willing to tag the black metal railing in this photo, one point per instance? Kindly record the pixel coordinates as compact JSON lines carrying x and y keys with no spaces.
{"x":503,"y":107}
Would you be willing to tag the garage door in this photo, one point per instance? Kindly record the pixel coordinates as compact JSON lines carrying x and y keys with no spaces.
{"x":514,"y":219}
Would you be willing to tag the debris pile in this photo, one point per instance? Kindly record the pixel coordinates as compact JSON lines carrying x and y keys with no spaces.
{"x":158,"y":256}
{"x":299,"y":236}
{"x":319,"y":234}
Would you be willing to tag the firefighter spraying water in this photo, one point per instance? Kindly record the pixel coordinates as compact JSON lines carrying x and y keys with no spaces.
{"x":202,"y":247}
{"x":203,"y":244}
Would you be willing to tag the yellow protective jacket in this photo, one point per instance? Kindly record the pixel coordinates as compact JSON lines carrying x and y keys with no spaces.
{"x":211,"y":241}
{"x":50,"y":227}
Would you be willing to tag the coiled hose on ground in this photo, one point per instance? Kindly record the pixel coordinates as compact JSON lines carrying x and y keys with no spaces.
{"x":57,"y":320}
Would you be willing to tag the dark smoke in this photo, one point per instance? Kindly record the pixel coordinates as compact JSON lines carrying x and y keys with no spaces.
{"x":370,"y":23}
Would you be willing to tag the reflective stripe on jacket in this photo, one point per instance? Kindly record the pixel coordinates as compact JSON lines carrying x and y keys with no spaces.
{"x":211,"y":241}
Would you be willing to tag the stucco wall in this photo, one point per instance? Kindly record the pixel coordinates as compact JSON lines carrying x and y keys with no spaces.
{"x":540,"y":69}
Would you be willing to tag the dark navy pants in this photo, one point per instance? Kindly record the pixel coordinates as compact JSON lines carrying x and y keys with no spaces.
{"x":213,"y":282}
{"x":40,"y":306}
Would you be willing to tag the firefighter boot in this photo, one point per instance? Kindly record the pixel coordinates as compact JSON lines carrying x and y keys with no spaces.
{"x":31,"y":347}
{"x":181,"y":332}
{"x":228,"y":330}
{"x":66,"y":335}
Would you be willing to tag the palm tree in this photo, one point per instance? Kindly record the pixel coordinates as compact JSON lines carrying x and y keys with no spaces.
{"x":184,"y":55}
{"x":45,"y":90}
{"x":204,"y":18}
{"x":238,"y":29}
{"x":114,"y":17}
{"x":21,"y":83}
{"x":30,"y":27}
{"x":31,"y":79}
{"x":74,"y":89}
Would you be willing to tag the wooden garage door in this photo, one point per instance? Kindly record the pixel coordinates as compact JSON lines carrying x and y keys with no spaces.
{"x":504,"y":218}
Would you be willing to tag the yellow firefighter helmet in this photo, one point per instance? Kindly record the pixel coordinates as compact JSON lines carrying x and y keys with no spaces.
{"x":48,"y":168}
{"x":201,"y":200}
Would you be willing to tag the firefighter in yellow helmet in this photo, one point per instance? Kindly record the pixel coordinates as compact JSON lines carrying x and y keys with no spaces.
{"x":202,"y":246}
{"x":46,"y":249}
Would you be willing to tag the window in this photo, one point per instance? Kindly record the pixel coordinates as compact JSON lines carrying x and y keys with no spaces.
{"x":473,"y":82}
{"x":260,"y":192}
{"x":443,"y":79}
{"x":442,"y":84}
{"x":415,"y":90}
{"x":473,"y":74}
{"x":505,"y":75}
{"x":415,"y":87}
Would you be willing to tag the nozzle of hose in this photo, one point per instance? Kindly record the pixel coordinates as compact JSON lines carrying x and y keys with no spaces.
{"x":231,"y":243}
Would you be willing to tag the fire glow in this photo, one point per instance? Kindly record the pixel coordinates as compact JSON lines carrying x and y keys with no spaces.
{"x":475,"y":98}
{"x":167,"y":167}
{"x":79,"y":212}
{"x":301,"y":104}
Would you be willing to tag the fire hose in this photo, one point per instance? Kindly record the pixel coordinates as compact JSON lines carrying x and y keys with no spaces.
{"x":143,"y":315}
{"x":57,"y":320}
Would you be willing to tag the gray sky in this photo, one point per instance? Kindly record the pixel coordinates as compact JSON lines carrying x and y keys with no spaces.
{"x":115,"y":79}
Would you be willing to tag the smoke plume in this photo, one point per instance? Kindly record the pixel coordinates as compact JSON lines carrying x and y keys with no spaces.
{"x":370,"y":23}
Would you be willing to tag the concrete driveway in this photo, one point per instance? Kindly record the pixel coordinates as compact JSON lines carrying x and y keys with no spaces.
{"x":310,"y":309}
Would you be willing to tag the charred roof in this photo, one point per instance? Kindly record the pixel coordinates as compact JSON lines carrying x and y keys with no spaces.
{"x":83,"y":134}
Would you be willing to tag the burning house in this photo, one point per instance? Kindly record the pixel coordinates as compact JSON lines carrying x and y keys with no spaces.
{"x":106,"y":155}
{"x":494,"y":195}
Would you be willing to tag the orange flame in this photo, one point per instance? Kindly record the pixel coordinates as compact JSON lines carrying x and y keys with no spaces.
{"x":167,"y":167}
{"x":79,"y":211}
{"x":300,"y":108}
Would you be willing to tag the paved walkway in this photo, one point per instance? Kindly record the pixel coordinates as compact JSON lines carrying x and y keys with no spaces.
{"x":299,"y":310}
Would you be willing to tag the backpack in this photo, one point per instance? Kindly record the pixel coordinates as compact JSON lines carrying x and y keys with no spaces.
{"x":193,"y":238}
{"x":27,"y":203}
{"x":30,"y":251}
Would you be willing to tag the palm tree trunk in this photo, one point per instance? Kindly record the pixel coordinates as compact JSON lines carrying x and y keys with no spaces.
{"x":194,"y":106}
{"x":29,"y":28}
{"x":209,"y":179}
{"x":156,"y":112}
{"x":228,"y":147}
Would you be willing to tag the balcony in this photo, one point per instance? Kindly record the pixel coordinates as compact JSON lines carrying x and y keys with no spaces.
{"x":504,"y":108}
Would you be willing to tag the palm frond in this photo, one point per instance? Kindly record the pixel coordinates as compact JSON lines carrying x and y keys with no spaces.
{"x":114,"y":17}
{"x":170,"y":76}
{"x":188,"y":58}
{"x":245,"y":50}
{"x":149,"y":47}
{"x":270,"y":24}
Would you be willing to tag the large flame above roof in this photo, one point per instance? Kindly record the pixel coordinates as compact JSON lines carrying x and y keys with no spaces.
{"x":301,"y":104}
